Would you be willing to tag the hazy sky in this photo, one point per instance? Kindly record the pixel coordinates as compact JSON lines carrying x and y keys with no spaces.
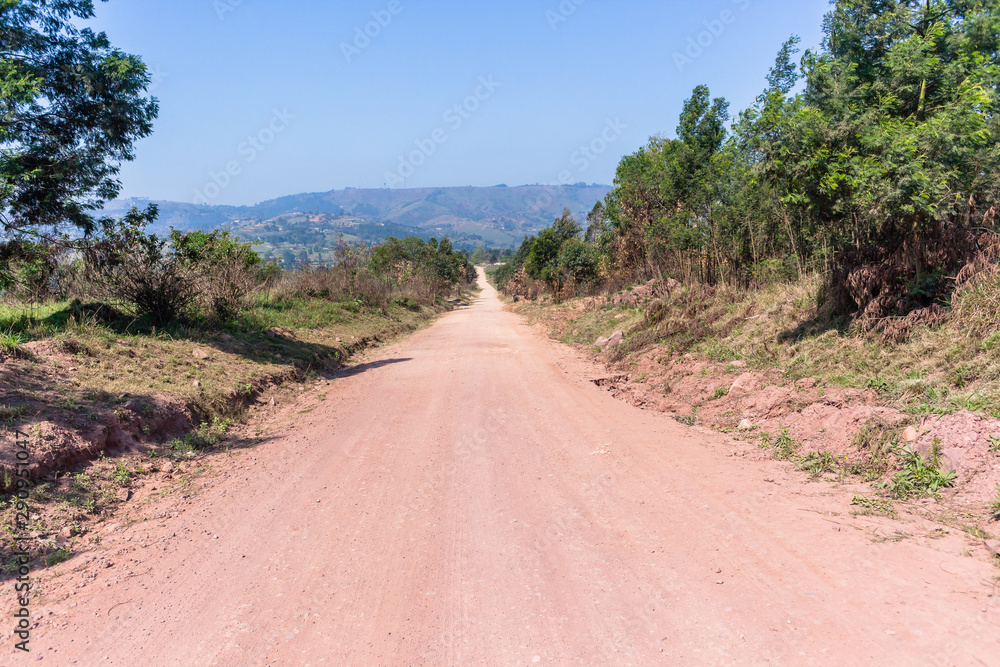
{"x":261,"y":98}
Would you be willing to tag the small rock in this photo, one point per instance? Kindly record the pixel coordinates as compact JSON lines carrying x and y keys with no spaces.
{"x":744,"y":384}
{"x":950,"y":459}
{"x":196,"y":384}
{"x":993,"y":546}
{"x":601,"y":342}
{"x":123,"y":495}
{"x":617,"y":338}
{"x":338,"y":340}
{"x":739,"y":363}
{"x":910,"y":434}
{"x":198,"y":353}
{"x":745,"y":425}
{"x":167,"y":467}
{"x":272,"y":402}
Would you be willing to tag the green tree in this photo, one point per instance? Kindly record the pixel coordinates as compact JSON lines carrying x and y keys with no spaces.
{"x":578,"y":262}
{"x":891,"y":155}
{"x":71,"y":108}
{"x":662,"y":212}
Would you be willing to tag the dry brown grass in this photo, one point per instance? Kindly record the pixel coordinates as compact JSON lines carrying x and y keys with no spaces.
{"x":938,"y":369}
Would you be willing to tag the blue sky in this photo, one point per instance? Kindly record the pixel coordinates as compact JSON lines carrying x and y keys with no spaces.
{"x":261,"y":98}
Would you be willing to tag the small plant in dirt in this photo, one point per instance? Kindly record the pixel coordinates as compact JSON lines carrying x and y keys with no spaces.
{"x":872,"y":506}
{"x":876,"y":441}
{"x":122,"y":475}
{"x":687,"y":420}
{"x":10,"y":342}
{"x":994,"y":507}
{"x":204,"y":437}
{"x":919,"y":476}
{"x":785,"y":446}
{"x":58,"y":556}
{"x":818,"y":463}
{"x":995,"y":444}
{"x":881,"y":385}
{"x":976,"y":532}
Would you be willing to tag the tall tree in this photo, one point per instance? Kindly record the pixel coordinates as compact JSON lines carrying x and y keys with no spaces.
{"x":71,"y":108}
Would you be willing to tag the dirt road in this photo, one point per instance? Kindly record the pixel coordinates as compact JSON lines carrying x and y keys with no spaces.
{"x":469,"y":497}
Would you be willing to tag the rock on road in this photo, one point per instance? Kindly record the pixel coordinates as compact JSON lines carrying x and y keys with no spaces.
{"x":468,"y":497}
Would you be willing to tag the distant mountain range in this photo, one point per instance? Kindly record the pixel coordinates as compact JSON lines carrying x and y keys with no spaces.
{"x":498,"y":216}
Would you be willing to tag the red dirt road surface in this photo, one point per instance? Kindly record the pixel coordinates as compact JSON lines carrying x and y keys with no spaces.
{"x":470,"y":497}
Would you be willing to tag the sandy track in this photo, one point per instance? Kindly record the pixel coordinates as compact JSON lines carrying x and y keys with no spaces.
{"x":472,"y":499}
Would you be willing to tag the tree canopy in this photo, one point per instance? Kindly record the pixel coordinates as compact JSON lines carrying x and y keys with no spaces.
{"x":875,"y":159}
{"x":72,"y":107}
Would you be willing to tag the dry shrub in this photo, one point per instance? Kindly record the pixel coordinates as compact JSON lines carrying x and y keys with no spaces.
{"x":891,"y":290}
{"x":523,"y":286}
{"x":336,"y":283}
{"x":686,"y":316}
{"x":976,"y":303}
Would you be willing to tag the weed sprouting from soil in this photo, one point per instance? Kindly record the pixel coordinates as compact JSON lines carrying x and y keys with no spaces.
{"x":872,"y":506}
{"x":876,"y":441}
{"x":818,"y":464}
{"x":994,"y":507}
{"x":919,"y":476}
{"x":204,"y":437}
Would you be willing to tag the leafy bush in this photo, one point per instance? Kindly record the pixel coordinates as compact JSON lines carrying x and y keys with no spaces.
{"x":430,"y":266}
{"x":29,"y":269}
{"x":578,"y":262}
{"x":136,"y":268}
{"x":167,"y":279}
{"x":225,"y":272}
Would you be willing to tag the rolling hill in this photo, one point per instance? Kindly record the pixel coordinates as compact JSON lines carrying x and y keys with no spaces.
{"x":497,"y":216}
